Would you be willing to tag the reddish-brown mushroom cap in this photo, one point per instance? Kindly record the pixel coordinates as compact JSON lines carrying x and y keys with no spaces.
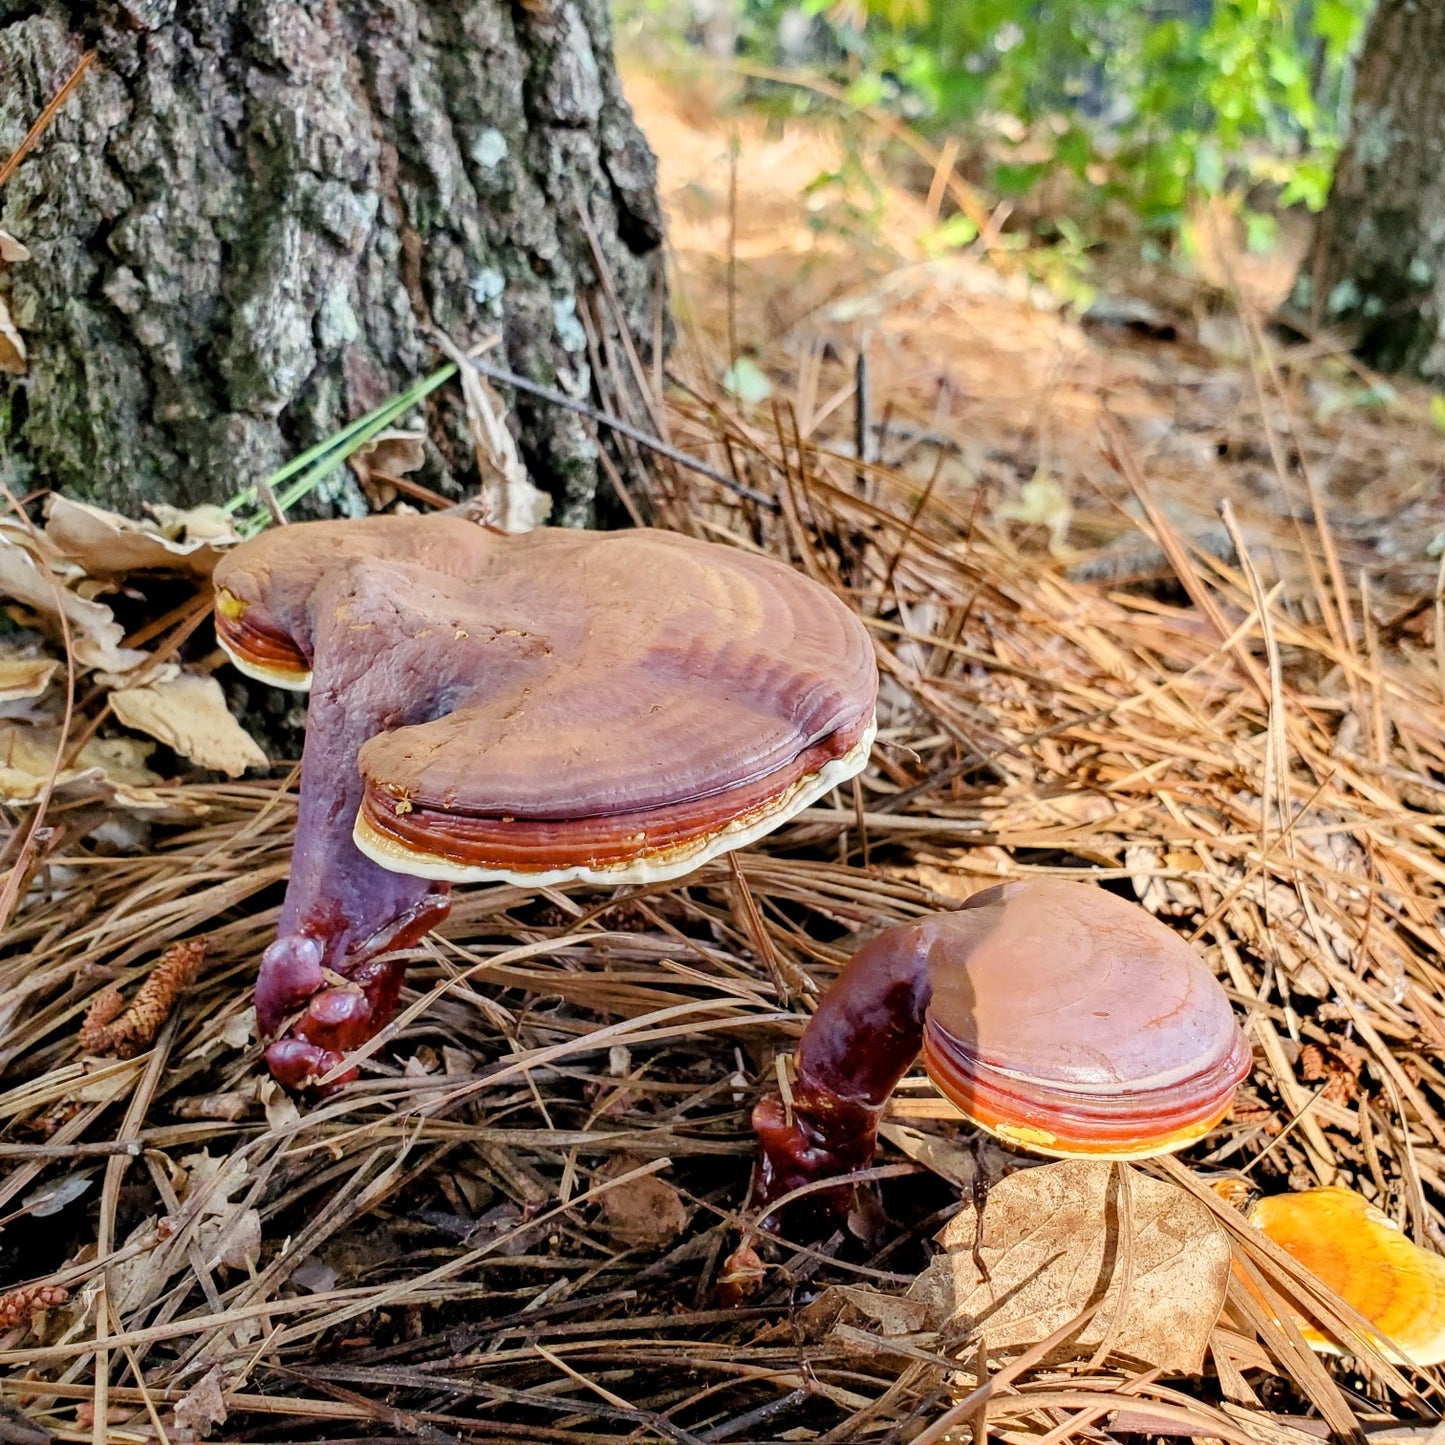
{"x":1053,"y":1014}
{"x":613,"y":707}
{"x":607,"y":707}
{"x":1078,"y":1024}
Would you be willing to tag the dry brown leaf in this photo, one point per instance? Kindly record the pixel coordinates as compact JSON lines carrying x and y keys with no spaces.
{"x":12,"y":250}
{"x":95,"y":634}
{"x":232,"y":1239}
{"x":1051,"y":1242}
{"x":189,"y":713}
{"x":201,"y":1407}
{"x":12,"y":344}
{"x":645,"y":1211}
{"x":138,"y":1278}
{"x":22,"y":678}
{"x":893,"y":1314}
{"x":957,"y":1163}
{"x":105,"y":766}
{"x":107,"y":544}
{"x":390,"y":454}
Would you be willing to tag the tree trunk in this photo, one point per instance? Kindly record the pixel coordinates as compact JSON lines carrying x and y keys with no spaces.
{"x":250,"y":213}
{"x":1378,"y":264}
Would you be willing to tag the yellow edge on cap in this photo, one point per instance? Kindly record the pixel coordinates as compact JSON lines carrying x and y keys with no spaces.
{"x":656,"y":867}
{"x":288,"y":678}
{"x":1041,"y":1141}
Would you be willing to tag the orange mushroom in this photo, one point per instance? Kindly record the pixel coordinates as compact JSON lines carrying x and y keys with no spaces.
{"x":1362,"y":1255}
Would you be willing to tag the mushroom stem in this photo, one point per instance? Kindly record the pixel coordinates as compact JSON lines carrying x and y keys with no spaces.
{"x":863,"y":1038}
{"x":344,"y":916}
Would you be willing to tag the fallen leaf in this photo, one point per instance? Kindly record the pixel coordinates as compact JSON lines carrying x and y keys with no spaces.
{"x":280,"y":1107}
{"x":219,"y":1176}
{"x":52,"y":1198}
{"x":893,"y":1314}
{"x":12,"y":344}
{"x":645,"y":1211}
{"x":24,"y":677}
{"x":12,"y":250}
{"x":506,"y":499}
{"x":232,"y":1239}
{"x":238,"y":1030}
{"x":107,"y":544}
{"x":137,"y":1280}
{"x":957,"y":1163}
{"x":1042,"y":502}
{"x":95,"y":634}
{"x":314,"y":1275}
{"x":201,"y":1407}
{"x":1051,"y":1247}
{"x":205,"y":523}
{"x":189,"y":714}
{"x":388,"y":455}
{"x":109,"y":767}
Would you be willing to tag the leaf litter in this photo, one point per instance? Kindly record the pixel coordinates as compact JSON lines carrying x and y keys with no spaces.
{"x":1246,"y":735}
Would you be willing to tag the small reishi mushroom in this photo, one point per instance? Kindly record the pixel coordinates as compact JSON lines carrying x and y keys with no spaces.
{"x":1362,"y":1255}
{"x":1055,"y":1015}
{"x":562,"y":705}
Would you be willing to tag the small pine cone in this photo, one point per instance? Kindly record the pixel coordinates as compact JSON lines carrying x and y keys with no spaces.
{"x":17,"y":1306}
{"x":109,"y":1030}
{"x":95,"y":1032}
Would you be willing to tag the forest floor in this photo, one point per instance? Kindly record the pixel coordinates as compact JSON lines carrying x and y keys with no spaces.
{"x":513,"y":1227}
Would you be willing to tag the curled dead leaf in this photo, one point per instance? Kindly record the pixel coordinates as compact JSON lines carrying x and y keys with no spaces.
{"x":645,"y":1211}
{"x":107,"y":544}
{"x":188,"y":713}
{"x":1057,"y":1238}
{"x":95,"y":634}
{"x":201,"y":1407}
{"x":12,"y":344}
{"x":388,"y":455}
{"x":12,"y":250}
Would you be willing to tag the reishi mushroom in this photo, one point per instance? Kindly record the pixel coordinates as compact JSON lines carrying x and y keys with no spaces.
{"x":562,"y":705}
{"x":1055,"y":1015}
{"x":1362,"y":1255}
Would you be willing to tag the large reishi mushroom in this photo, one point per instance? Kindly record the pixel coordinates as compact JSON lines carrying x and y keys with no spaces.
{"x":600,"y":707}
{"x":1055,"y":1015}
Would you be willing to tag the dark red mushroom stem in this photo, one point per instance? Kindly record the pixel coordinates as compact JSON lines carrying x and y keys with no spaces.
{"x":864,"y":1037}
{"x":334,"y":957}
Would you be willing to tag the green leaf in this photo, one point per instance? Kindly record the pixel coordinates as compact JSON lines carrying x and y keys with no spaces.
{"x":1261,"y":231}
{"x":952,"y":235}
{"x":1437,"y":410}
{"x":745,"y":380}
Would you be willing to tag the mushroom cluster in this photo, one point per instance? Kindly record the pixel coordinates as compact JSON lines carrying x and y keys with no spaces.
{"x":1055,"y":1015}
{"x":608,"y":708}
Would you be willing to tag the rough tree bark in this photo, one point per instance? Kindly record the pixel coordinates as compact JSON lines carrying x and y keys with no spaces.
{"x":248,"y":215}
{"x":1377,"y":269}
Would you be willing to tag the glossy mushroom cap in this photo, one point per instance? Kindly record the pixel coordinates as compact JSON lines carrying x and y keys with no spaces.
{"x":1055,"y":1015}
{"x":562,"y":705}
{"x":1363,"y":1257}
{"x":1079,"y":1024}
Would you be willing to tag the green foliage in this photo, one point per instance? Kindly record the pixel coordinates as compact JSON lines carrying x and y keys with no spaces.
{"x":1153,"y":105}
{"x":304,"y":473}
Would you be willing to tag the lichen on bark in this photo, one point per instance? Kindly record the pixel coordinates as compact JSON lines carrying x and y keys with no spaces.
{"x":247,"y":218}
